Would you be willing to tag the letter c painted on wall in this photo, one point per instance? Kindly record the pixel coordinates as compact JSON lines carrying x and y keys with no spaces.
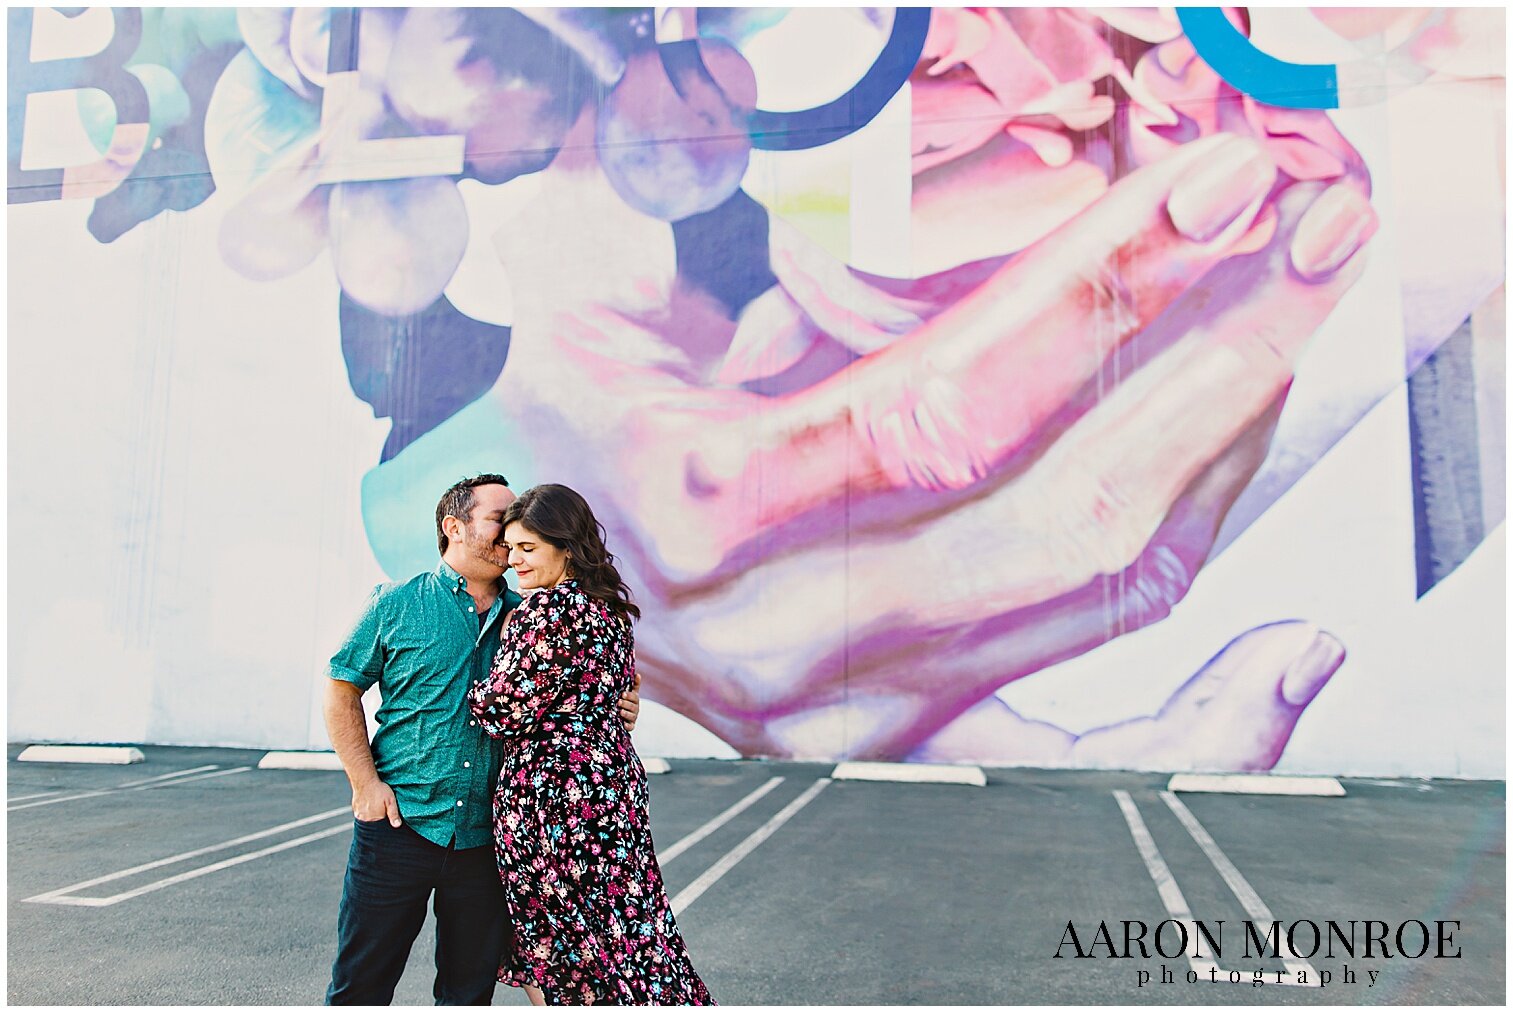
{"x":821,"y":124}
{"x":1260,"y":75}
{"x":809,"y":128}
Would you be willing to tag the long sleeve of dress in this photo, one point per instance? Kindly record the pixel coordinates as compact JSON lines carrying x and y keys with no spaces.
{"x":527,"y":677}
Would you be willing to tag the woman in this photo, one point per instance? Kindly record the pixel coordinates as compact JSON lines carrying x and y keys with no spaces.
{"x":591,"y":918}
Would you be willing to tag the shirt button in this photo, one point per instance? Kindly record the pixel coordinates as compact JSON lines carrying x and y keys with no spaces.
{"x":459,"y":803}
{"x":472,"y":722}
{"x":467,"y":763}
{"x":470,"y":608}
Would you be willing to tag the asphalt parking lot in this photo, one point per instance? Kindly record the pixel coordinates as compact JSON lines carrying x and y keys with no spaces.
{"x":195,"y":878}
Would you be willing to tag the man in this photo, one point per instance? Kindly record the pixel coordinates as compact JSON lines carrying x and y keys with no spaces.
{"x":421,"y":793}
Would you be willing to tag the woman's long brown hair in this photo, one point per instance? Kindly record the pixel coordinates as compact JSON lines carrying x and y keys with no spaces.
{"x":561,"y":517}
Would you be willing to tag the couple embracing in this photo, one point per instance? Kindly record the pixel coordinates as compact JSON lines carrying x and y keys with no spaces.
{"x":502,"y":778}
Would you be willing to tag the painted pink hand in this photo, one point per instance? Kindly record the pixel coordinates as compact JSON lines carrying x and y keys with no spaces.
{"x":1002,"y":420}
{"x":1235,"y":713}
{"x":950,"y":403}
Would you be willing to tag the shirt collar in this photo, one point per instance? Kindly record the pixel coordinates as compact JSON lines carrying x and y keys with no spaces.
{"x":454,"y":581}
{"x":458,"y":584}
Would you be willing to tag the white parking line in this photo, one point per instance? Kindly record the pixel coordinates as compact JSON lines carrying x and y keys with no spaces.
{"x":65,"y":798}
{"x":197,"y":777}
{"x":1243,"y":891}
{"x":157,"y":782}
{"x":1161,"y":874}
{"x":719,"y":821}
{"x":58,"y":896}
{"x":101,"y":791}
{"x":169,"y":775}
{"x":1171,"y":893}
{"x":693,"y":891}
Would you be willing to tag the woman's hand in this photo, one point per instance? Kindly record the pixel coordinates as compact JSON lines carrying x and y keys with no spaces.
{"x":630,"y":704}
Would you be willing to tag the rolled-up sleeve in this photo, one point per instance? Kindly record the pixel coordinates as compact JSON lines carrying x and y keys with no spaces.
{"x":360,"y":660}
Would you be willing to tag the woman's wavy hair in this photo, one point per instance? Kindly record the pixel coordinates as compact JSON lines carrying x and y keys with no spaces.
{"x":561,"y":517}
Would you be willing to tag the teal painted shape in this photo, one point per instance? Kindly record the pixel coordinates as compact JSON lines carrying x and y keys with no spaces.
{"x":399,"y":496}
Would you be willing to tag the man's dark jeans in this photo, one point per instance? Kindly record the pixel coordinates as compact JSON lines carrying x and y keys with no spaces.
{"x":391,"y":871}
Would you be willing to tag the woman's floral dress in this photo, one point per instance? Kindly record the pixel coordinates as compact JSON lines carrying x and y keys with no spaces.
{"x":591,"y":917}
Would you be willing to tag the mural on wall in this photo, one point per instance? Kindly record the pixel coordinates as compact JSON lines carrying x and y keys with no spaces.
{"x":905,"y":353}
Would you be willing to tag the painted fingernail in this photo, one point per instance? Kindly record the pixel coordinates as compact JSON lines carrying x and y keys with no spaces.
{"x":1307,"y":675}
{"x":1229,"y":183}
{"x":1338,"y":224}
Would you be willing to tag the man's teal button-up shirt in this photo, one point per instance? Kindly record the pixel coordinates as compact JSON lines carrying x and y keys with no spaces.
{"x":423,"y":644}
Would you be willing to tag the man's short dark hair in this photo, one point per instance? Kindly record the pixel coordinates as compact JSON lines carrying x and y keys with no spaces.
{"x":458,"y":501}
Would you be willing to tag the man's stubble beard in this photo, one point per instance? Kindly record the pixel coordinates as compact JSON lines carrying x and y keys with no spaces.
{"x":484,"y":551}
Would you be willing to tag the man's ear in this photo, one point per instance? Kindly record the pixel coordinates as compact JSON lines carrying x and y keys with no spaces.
{"x":452,"y":528}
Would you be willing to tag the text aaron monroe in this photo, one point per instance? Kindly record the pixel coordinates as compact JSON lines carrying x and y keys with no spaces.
{"x":1201,"y":941}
